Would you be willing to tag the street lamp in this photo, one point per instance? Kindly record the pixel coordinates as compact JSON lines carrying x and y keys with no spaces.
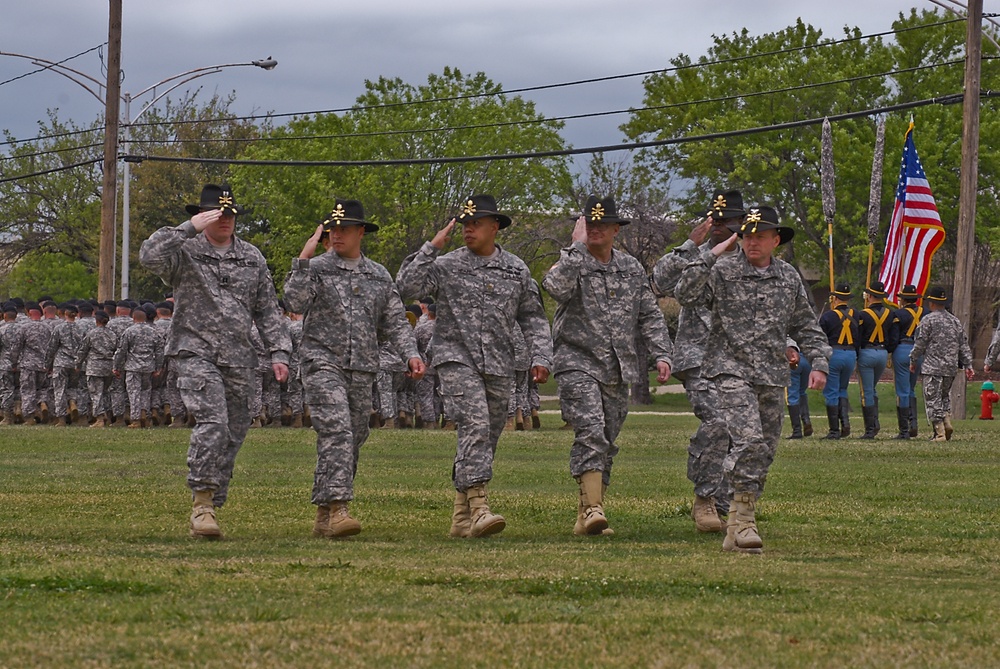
{"x":95,"y":88}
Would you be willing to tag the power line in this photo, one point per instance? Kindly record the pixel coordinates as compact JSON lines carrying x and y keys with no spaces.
{"x":571,"y":117}
{"x":51,"y":151}
{"x":49,"y":67}
{"x":50,"y":171}
{"x":58,"y":135}
{"x":566,"y":84}
{"x":942,"y":100}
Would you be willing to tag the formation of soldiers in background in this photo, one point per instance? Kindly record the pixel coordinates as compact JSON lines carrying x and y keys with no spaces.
{"x":84,"y":362}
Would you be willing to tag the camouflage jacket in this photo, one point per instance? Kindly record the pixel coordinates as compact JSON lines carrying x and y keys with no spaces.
{"x":97,"y":353}
{"x":753,"y":315}
{"x":522,"y":356}
{"x":601,"y":307}
{"x":64,"y":344}
{"x":423,"y":334}
{"x":348,"y":313}
{"x":31,"y":346}
{"x":942,"y":343}
{"x":478,"y":300}
{"x":139,"y":349}
{"x":8,"y":337}
{"x":217,"y":299}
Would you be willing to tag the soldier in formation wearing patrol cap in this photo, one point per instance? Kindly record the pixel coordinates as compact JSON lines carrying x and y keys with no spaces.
{"x":604,"y":299}
{"x":943,"y":348}
{"x":351,"y":305}
{"x":138,"y":357}
{"x":757,"y":302}
{"x":841,"y":328}
{"x":480,"y":291}
{"x":709,"y":445}
{"x":222,"y":287}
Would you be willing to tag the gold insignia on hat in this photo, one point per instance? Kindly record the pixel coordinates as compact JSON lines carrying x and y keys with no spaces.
{"x":720,"y":203}
{"x":753,"y":217}
{"x":597,"y":212}
{"x":226,"y":201}
{"x":469,"y":209}
{"x":338,"y":213}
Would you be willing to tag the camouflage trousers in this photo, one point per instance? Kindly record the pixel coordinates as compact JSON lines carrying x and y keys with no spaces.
{"x":340,"y":402}
{"x":35,"y":388}
{"x":534,"y":399}
{"x":99,"y":389}
{"x":753,"y":416}
{"x":387,"y":384}
{"x":64,"y":389}
{"x":937,"y":397}
{"x":119,"y":396}
{"x":710,"y":443}
{"x":8,"y":386}
{"x":219,"y":399}
{"x":170,"y":394}
{"x":406,"y":396}
{"x":596,"y":411}
{"x":478,"y":405}
{"x":139,"y":386}
{"x":291,"y":395}
{"x":427,"y":398}
{"x":519,"y":395}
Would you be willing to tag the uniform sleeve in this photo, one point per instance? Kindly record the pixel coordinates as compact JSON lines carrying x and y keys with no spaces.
{"x":964,"y":352}
{"x":394,"y":328}
{"x":654,"y":328}
{"x":693,"y":287}
{"x":806,"y":332}
{"x":667,"y":270}
{"x":418,"y":275}
{"x":121,"y":353}
{"x":161,"y":253}
{"x":994,"y":350}
{"x":562,"y":279}
{"x":534,"y":324}
{"x":50,"y":351}
{"x":299,"y":290}
{"x":81,"y":356}
{"x":267,"y":315}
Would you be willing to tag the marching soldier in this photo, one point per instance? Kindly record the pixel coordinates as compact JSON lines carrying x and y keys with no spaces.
{"x":757,"y":302}
{"x":96,"y":361}
{"x":709,"y":445}
{"x":60,"y":359}
{"x":138,"y":357}
{"x":427,"y":387}
{"x":841,"y":330}
{"x":350,"y":304}
{"x":221,"y":287}
{"x":8,"y":382}
{"x":944,"y":347}
{"x":480,"y":291}
{"x":604,"y":299}
{"x":899,"y":343}
{"x":28,"y":355}
{"x":873,"y":324}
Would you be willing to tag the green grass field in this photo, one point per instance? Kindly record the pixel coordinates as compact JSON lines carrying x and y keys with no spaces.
{"x":877,"y":554}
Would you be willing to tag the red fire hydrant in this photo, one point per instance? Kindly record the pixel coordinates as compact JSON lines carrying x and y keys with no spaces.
{"x":988,"y":398}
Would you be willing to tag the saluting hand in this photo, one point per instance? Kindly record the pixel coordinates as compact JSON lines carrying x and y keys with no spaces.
{"x":443,"y":236}
{"x":700,"y":232}
{"x":580,"y":230}
{"x":309,"y":250}
{"x":719,"y":249}
{"x":203,"y":219}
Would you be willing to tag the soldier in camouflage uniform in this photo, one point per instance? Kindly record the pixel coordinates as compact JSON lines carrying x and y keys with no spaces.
{"x":138,"y":357}
{"x":292,"y":395}
{"x":757,"y":302}
{"x":351,"y":304}
{"x":84,"y":324}
{"x":388,"y":381}
{"x":121,"y":320}
{"x":96,"y":361}
{"x":518,"y":408}
{"x":709,"y":445}
{"x":944,"y":347}
{"x":480,"y":291}
{"x":8,"y":334}
{"x":221,"y":287}
{"x":28,"y":355}
{"x":427,"y":398}
{"x":60,"y":359}
{"x":604,"y":299}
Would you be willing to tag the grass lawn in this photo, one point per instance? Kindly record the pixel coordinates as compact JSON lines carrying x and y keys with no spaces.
{"x":877,"y":554}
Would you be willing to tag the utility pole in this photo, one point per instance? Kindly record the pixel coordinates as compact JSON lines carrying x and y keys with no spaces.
{"x":109,"y":188}
{"x":965,"y":252}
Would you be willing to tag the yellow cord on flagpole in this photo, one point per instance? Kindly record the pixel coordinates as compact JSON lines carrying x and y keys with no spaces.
{"x":829,"y":230}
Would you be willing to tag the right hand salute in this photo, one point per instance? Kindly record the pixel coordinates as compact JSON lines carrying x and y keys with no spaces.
{"x":580,"y":230}
{"x":203,"y":219}
{"x":309,"y":250}
{"x":700,"y":232}
{"x":719,"y":249}
{"x":443,"y":236}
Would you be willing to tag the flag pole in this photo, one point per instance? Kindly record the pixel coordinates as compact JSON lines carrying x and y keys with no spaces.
{"x":875,"y":193}
{"x":827,"y":183}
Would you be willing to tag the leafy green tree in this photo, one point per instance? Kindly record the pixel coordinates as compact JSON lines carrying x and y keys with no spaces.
{"x":42,"y":273}
{"x":452,"y":115}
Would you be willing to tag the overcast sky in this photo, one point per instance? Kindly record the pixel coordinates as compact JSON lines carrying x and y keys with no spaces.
{"x":327,"y":49}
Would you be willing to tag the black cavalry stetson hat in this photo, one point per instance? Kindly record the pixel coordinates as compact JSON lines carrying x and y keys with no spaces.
{"x":908,"y":292}
{"x":215,"y":197}
{"x":762,"y":218}
{"x":877,"y":289}
{"x":936,"y":294}
{"x":842,"y":290}
{"x":347,"y":212}
{"x":597,"y":210}
{"x":481,"y":206}
{"x":726,"y":205}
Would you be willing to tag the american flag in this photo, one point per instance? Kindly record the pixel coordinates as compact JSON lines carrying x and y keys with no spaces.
{"x":915,"y":232}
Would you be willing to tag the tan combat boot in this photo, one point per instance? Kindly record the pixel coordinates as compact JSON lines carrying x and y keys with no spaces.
{"x":168,"y":419}
{"x":449,"y":425}
{"x":579,"y":528}
{"x":939,"y":431}
{"x":74,"y":411}
{"x":948,"y":429}
{"x":341,"y":523}
{"x":286,"y":416}
{"x":704,"y":514}
{"x":297,"y":420}
{"x":100,"y":421}
{"x":484,"y":521}
{"x":43,"y":411}
{"x":203,"y":523}
{"x":8,"y":418}
{"x":741,"y":529}
{"x":144,"y":420}
{"x":461,"y":518}
{"x":134,"y":424}
{"x":592,"y":498}
{"x":509,"y":425}
{"x":536,"y":422}
{"x":321,"y":528}
{"x":518,"y":420}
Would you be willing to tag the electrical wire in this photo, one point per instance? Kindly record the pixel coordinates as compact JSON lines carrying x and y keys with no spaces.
{"x":50,"y":171}
{"x":49,"y":67}
{"x":52,"y":151}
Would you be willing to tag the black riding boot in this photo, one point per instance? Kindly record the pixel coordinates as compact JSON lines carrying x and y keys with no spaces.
{"x":793,"y":413}
{"x":833,"y":415}
{"x":903,"y":417}
{"x":869,"y":418}
{"x":845,"y":418}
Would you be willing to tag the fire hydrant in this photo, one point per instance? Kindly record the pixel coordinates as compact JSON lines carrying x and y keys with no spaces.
{"x":988,"y":398}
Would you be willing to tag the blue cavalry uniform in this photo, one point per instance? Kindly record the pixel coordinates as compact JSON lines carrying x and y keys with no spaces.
{"x":841,"y":330}
{"x":873,"y":323}
{"x":899,"y":343}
